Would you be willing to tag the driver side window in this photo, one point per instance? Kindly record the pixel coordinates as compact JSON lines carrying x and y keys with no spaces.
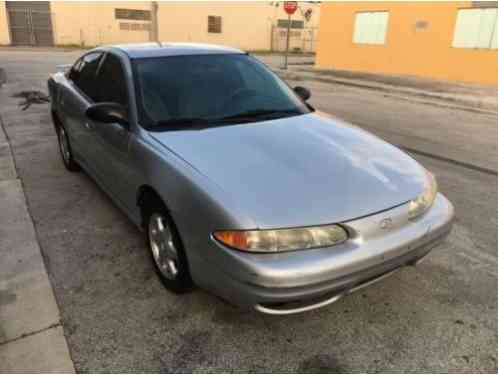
{"x":112,"y":81}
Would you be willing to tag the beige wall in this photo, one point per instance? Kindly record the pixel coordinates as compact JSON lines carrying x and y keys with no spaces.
{"x":244,"y":25}
{"x":247,"y":25}
{"x":4,"y":28}
{"x":93,"y":23}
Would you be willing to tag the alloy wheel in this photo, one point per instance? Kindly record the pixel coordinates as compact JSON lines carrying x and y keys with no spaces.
{"x":163,"y":247}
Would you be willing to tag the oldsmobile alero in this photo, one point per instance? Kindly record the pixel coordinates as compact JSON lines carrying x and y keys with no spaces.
{"x":240,"y":186}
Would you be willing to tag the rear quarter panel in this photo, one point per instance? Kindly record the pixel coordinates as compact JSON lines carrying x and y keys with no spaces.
{"x":54,"y":82}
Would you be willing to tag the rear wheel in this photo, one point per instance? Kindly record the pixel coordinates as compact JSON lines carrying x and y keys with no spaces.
{"x":65,"y":147}
{"x":165,"y":247}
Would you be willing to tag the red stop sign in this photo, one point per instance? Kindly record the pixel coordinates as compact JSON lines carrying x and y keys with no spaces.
{"x":290,"y":7}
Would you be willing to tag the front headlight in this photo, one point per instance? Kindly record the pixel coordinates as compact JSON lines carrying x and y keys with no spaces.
{"x":271,"y":241}
{"x":424,"y":201}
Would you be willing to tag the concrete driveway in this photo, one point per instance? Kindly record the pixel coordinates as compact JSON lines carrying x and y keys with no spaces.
{"x":441,"y":316}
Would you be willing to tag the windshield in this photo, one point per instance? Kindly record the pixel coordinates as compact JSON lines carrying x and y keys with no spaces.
{"x":186,"y":91}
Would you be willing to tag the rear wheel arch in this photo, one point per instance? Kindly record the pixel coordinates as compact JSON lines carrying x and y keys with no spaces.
{"x":63,"y":139}
{"x":56,"y":120}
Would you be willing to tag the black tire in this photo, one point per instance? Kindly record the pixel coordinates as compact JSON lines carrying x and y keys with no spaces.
{"x":65,"y":149}
{"x":152,"y":207}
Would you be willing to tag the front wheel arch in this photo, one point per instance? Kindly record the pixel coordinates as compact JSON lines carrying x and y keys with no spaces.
{"x":149,"y":202}
{"x":146,"y":193}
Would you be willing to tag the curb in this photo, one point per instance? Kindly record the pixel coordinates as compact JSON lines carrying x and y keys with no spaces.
{"x":450,"y":102}
{"x":31,"y":334}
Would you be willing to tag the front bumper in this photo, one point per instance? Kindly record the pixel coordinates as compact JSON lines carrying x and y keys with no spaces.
{"x":293,"y":282}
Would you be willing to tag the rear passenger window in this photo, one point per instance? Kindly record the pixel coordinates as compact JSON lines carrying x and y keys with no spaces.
{"x":75,"y":70}
{"x":112,"y":83}
{"x":83,"y":74}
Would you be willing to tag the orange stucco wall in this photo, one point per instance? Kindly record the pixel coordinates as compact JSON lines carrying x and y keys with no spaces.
{"x":408,"y":51}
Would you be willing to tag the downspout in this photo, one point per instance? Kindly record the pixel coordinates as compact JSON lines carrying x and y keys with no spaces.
{"x":154,"y":30}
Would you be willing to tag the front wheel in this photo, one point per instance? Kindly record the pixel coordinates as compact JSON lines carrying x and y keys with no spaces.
{"x":166,"y":249}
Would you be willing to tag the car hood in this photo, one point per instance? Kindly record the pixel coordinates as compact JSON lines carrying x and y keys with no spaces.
{"x":299,"y":171}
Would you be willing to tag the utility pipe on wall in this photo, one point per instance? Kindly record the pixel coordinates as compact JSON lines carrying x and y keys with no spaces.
{"x":154,"y":30}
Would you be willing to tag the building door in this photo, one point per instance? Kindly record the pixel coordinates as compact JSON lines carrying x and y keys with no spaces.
{"x":30,"y":23}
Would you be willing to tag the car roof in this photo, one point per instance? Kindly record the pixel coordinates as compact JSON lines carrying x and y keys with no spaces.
{"x":159,"y":49}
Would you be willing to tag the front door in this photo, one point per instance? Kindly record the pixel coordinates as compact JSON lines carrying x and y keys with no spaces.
{"x":112,"y":141}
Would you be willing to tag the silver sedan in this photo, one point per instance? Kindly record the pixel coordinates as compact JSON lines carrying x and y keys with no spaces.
{"x":240,"y":186}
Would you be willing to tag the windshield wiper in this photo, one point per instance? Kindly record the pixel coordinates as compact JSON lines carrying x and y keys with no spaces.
{"x":260,"y":113}
{"x":198,"y":123}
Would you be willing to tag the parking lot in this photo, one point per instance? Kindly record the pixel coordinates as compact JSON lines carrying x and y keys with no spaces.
{"x":441,"y":316}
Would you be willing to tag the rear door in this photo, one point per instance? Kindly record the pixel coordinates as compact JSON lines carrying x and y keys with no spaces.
{"x":80,"y":93}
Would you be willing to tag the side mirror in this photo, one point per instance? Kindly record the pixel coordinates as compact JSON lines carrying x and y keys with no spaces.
{"x":108,"y":113}
{"x":302,"y":92}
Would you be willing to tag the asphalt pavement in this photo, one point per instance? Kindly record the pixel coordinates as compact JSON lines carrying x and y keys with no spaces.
{"x":441,"y":316}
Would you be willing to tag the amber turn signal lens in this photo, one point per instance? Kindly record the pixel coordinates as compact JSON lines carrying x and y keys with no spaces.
{"x":236,"y":239}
